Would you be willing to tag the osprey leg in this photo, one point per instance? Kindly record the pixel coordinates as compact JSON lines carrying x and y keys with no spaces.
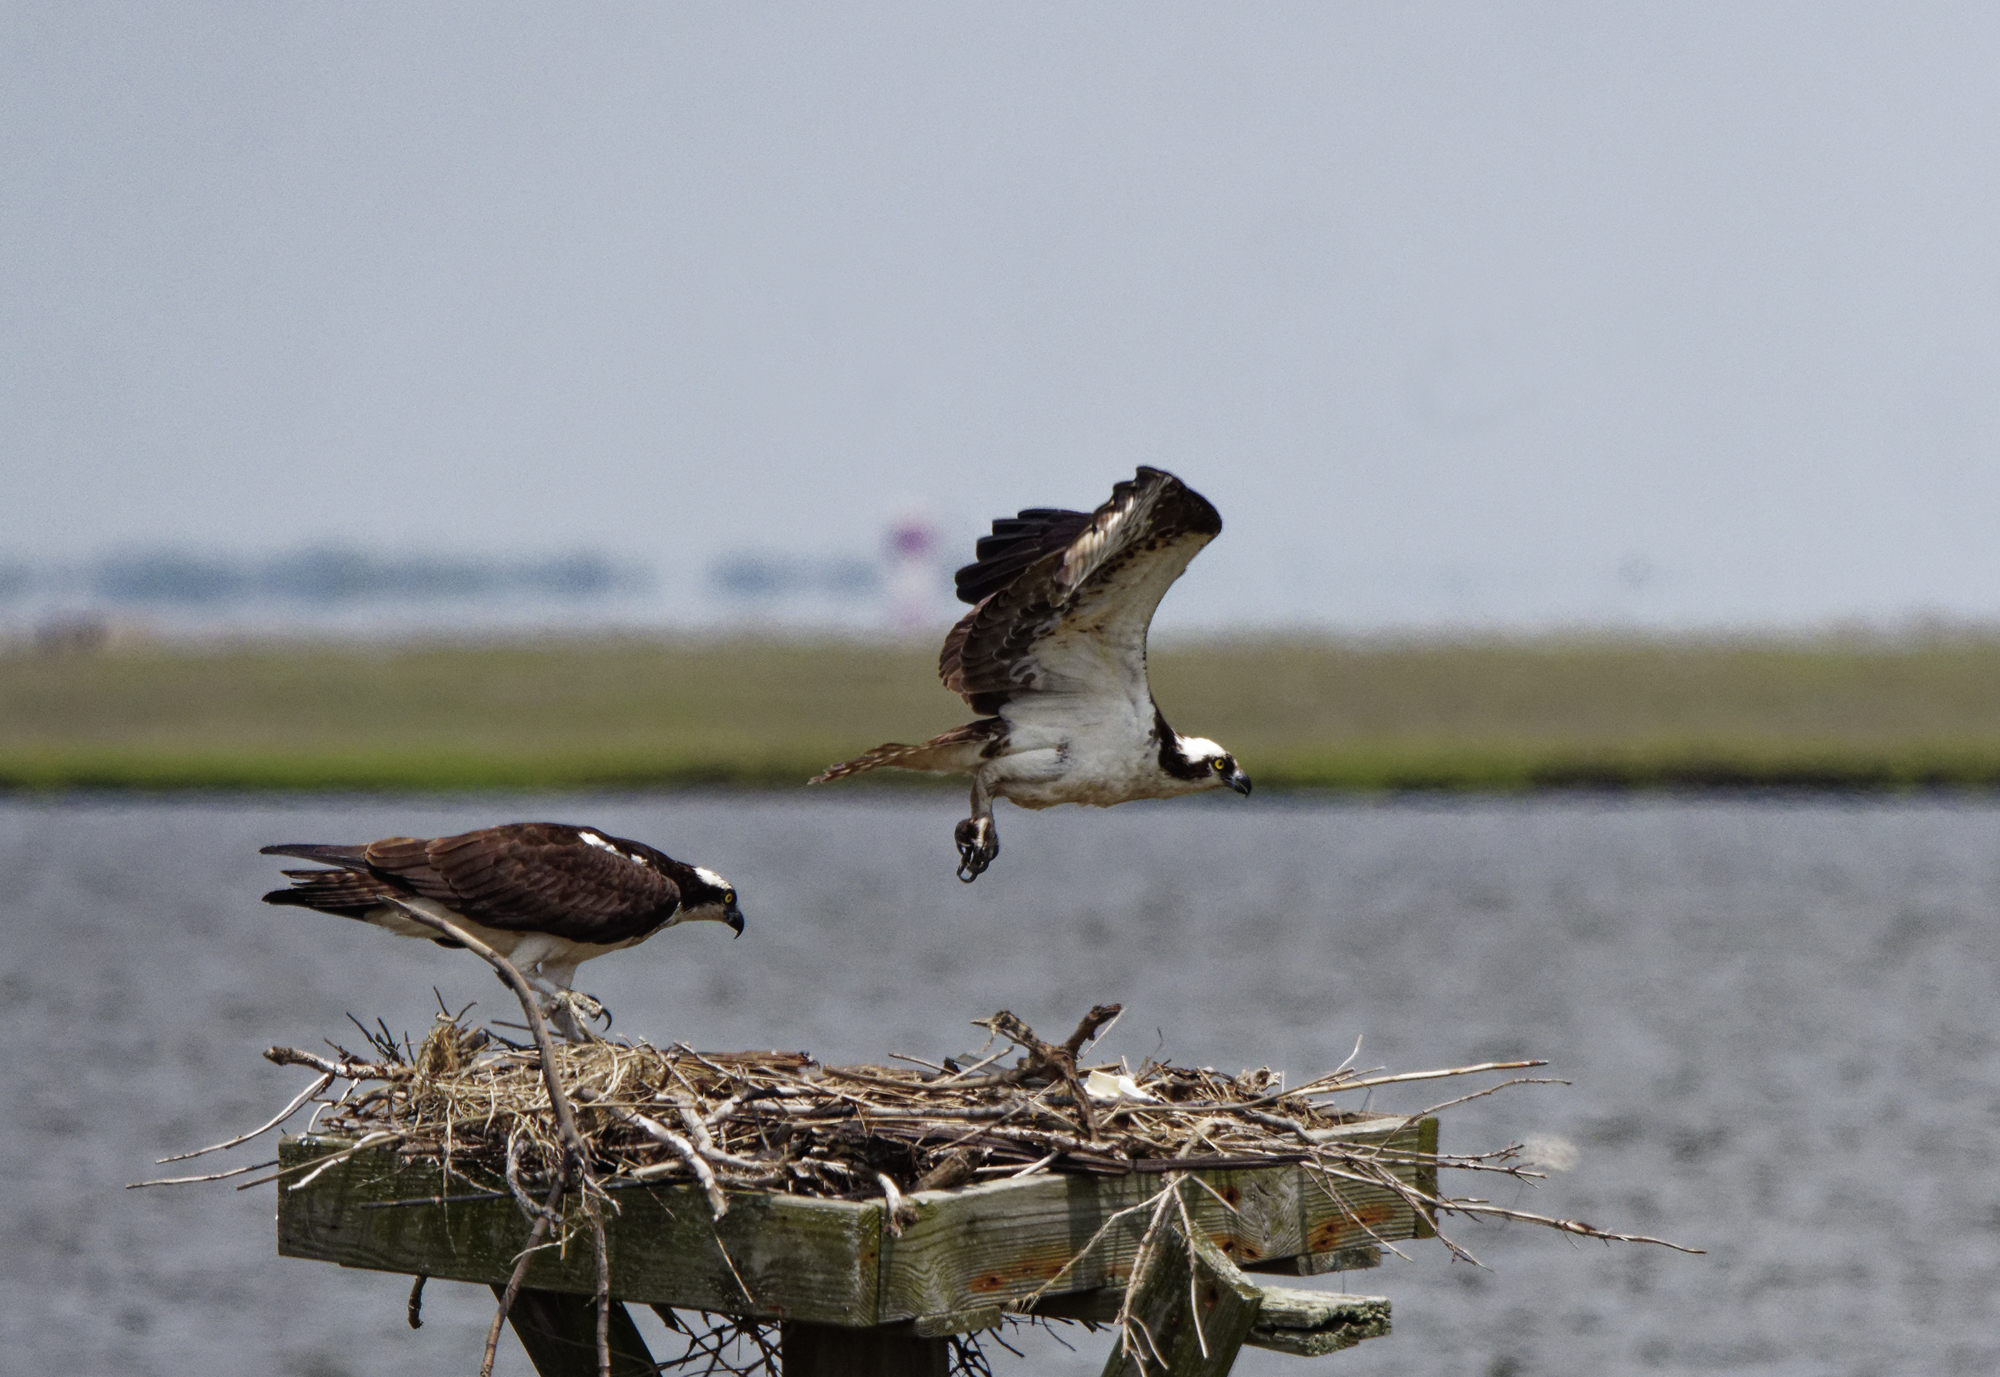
{"x":978,"y":840}
{"x":562,"y":1005}
{"x":563,"y":1015}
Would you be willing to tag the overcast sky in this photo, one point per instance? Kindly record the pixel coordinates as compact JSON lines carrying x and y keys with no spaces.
{"x":1478,"y":314}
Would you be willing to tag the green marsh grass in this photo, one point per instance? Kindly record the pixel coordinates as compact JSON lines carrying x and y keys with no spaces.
{"x":556,"y":714}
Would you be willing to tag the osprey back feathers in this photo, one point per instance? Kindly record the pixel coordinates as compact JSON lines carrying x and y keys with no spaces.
{"x":1054,"y":649}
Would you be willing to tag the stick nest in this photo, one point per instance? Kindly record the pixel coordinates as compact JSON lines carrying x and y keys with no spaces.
{"x":780,"y":1121}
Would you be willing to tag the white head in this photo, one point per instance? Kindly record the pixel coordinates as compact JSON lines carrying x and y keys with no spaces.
{"x":1199,"y":763}
{"x":708,"y":898}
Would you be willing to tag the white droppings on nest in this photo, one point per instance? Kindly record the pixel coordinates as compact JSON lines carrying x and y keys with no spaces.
{"x":1106,"y":1087}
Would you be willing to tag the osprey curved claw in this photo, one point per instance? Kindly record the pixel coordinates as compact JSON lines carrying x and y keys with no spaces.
{"x":978,"y":843}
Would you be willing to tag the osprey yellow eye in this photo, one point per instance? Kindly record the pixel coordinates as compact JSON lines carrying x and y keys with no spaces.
{"x":728,"y":896}
{"x":1220,"y":764}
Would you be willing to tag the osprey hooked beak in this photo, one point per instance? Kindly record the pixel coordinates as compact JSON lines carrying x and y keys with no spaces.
{"x":734,"y":917}
{"x":1227,"y":772}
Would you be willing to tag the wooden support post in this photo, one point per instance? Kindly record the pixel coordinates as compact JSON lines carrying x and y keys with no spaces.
{"x":559,"y":1331}
{"x":1195,"y":1310}
{"x":824,"y":1350}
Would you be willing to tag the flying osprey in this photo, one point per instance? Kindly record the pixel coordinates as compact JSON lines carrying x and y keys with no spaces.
{"x":545,"y":895}
{"x":1055,"y":645}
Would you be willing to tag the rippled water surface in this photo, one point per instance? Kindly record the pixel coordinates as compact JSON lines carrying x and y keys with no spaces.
{"x":1778,"y":1017}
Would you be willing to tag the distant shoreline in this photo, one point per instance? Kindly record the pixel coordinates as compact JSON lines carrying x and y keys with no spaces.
{"x":1836,"y":712}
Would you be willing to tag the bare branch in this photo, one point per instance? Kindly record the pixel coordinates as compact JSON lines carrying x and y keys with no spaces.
{"x":326,"y":1079}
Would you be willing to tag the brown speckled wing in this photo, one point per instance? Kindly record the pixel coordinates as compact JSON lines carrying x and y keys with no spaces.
{"x":544,"y":877}
{"x":1064,"y":600}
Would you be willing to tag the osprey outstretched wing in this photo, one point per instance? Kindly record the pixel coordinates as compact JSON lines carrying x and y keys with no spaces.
{"x":1055,"y":645}
{"x":1062,"y":600}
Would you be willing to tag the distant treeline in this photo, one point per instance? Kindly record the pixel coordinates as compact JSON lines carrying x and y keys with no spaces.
{"x":1496,"y":715}
{"x":322,"y":576}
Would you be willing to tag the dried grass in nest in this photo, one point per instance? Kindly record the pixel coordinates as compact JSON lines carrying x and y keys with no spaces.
{"x":779,"y":1121}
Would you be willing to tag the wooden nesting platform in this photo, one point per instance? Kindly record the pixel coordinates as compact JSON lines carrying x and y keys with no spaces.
{"x":856,"y":1297}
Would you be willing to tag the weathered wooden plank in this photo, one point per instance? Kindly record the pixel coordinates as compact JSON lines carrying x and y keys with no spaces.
{"x":1346,"y":1217}
{"x":1426,"y":1179}
{"x":1289,"y":1320}
{"x":1311,"y":1323}
{"x":1270,"y":1218}
{"x":1318,"y":1264}
{"x":818,"y":1350}
{"x":559,"y":1332}
{"x":966,"y":1255}
{"x":958,"y":1321}
{"x":986,"y":1245}
{"x":797,"y":1258}
{"x":1192,"y":1309}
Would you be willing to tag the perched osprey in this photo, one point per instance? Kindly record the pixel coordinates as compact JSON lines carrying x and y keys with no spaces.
{"x":545,"y":895}
{"x":1055,"y":645}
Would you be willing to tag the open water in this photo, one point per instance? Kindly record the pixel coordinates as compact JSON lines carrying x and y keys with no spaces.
{"x":1778,"y":1017}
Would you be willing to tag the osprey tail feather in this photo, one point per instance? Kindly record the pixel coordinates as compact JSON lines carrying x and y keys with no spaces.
{"x":315,"y":851}
{"x":349,"y":893}
{"x":958,"y":751}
